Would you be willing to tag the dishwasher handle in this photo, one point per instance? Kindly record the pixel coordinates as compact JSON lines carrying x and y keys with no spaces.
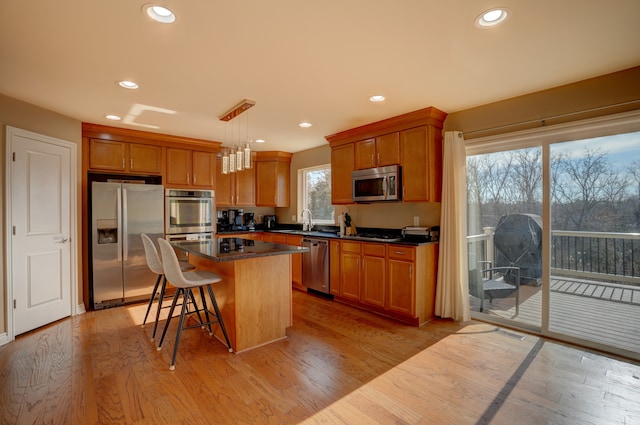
{"x":314,"y":242}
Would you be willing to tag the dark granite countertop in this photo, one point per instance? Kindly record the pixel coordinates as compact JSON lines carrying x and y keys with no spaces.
{"x":233,"y":249}
{"x":329,"y":235}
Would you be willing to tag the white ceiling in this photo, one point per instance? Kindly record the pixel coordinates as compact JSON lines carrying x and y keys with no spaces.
{"x":299,"y":59}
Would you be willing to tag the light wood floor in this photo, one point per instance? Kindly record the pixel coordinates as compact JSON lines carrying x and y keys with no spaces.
{"x":337,"y":366}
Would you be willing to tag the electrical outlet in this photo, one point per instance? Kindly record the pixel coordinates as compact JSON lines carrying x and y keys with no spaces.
{"x":260,"y":218}
{"x":416,"y":221}
{"x":293,"y":218}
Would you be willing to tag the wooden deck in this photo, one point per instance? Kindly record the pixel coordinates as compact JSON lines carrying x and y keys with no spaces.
{"x":604,"y":313}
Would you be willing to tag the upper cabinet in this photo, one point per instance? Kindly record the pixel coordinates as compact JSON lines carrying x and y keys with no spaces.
{"x":122,"y":157}
{"x":236,"y":189}
{"x":378,"y":151}
{"x":272,"y":179}
{"x":422,"y":156}
{"x":190,"y":168}
{"x":342,"y":164}
{"x":413,"y":140}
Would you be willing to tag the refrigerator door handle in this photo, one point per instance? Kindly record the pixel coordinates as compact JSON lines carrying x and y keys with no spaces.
{"x":119,"y":220}
{"x":125,"y":230}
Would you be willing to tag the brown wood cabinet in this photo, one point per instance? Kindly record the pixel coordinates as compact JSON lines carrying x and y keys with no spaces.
{"x":272,"y":179}
{"x":342,"y":165}
{"x":190,"y":168}
{"x":413,"y":140}
{"x":421,"y":164}
{"x":123,"y":157}
{"x":378,"y":151}
{"x":373,"y":274}
{"x":350,"y":270}
{"x":334,"y":266}
{"x":296,"y":262}
{"x":393,"y":280}
{"x":235,"y":189}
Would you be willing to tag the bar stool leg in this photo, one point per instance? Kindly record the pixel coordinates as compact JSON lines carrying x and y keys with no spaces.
{"x":173,"y":307}
{"x":162,"y":290}
{"x":153,"y":297}
{"x":219,"y":316}
{"x":180,"y":326}
{"x":206,"y":310}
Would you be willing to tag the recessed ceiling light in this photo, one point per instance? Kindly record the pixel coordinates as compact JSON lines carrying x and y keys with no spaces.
{"x":259,"y":140}
{"x":305,"y":124}
{"x":377,"y":98}
{"x":159,"y":13}
{"x":128,"y":84}
{"x":492,"y":17}
{"x":113,"y":117}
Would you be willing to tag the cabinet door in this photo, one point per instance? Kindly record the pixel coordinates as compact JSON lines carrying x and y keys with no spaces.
{"x":365,"y":154}
{"x":272,"y":184}
{"x":107,"y":155}
{"x":334,"y":267}
{"x":350,"y":275}
{"x":145,"y":158}
{"x":296,"y":261}
{"x":388,"y":149}
{"x":401,"y":296}
{"x":342,"y":163}
{"x":266,"y":183}
{"x":203,"y":169}
{"x":224,"y":186}
{"x":178,"y":167}
{"x":245,"y":188}
{"x":421,"y":164}
{"x":373,"y":280}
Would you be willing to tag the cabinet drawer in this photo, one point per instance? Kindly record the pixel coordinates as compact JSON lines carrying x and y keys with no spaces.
{"x":401,"y":252}
{"x":350,"y":246}
{"x":373,"y":249}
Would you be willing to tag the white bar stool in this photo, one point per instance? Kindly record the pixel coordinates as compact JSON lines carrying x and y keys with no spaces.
{"x":185,"y":283}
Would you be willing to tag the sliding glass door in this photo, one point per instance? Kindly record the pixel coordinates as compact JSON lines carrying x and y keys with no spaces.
{"x":504,"y":192}
{"x":595,"y":240}
{"x":554,"y":232}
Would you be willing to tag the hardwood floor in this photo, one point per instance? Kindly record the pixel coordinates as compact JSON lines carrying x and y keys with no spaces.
{"x":337,"y":366}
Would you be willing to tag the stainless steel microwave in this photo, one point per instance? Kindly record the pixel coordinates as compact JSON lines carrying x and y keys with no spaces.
{"x":377,"y":184}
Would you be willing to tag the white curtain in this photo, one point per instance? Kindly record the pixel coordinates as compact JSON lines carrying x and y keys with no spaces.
{"x":452,"y":299}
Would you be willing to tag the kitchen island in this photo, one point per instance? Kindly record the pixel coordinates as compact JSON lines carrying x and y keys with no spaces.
{"x":254,"y":295}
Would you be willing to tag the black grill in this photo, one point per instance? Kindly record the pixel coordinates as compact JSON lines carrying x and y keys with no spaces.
{"x":518,"y":242}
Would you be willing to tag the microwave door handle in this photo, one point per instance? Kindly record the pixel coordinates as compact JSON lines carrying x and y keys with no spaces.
{"x":385,"y":186}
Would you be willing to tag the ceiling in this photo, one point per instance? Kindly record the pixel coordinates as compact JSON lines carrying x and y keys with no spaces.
{"x":299,"y":60}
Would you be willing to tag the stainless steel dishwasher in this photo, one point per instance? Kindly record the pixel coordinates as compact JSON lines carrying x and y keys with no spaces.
{"x":315,"y":265}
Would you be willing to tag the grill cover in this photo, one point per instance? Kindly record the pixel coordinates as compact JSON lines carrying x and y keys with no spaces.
{"x":518,"y":242}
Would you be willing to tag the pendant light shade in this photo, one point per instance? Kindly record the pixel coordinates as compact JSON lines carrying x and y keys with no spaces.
{"x":238,"y":156}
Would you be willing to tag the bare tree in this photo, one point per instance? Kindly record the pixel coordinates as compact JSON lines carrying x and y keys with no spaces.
{"x":584,"y":183}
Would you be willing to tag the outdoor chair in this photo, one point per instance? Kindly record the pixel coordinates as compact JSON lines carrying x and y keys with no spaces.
{"x":495,"y":282}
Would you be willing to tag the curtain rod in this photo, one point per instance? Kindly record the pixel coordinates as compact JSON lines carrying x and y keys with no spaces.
{"x":542,"y":121}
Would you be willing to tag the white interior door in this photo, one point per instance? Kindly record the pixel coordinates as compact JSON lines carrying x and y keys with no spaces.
{"x":40,"y":226}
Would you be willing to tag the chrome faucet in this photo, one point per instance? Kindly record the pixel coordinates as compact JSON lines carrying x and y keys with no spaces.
{"x":307,"y":226}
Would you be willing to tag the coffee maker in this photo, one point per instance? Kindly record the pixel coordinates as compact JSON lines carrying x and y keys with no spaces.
{"x":249,"y":222}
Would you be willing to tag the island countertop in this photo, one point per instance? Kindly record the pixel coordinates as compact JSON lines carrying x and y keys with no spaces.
{"x":233,"y":249}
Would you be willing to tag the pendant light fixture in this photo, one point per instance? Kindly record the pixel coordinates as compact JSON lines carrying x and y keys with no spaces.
{"x":238,"y":156}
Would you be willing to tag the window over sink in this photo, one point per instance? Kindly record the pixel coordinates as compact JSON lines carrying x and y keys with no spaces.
{"x":314,"y":194}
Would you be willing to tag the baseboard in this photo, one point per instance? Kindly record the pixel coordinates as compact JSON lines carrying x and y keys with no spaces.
{"x":4,"y":338}
{"x":80,"y":309}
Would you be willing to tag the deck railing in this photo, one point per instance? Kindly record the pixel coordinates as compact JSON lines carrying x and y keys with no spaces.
{"x":608,"y":256}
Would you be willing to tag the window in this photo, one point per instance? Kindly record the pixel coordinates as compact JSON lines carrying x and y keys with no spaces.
{"x":314,"y":194}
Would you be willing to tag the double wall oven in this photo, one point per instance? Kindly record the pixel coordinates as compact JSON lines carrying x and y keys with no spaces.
{"x":189,"y":214}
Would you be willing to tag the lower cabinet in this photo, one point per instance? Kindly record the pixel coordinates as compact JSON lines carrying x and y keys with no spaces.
{"x":398,"y":281}
{"x":374,"y":266}
{"x":296,"y":262}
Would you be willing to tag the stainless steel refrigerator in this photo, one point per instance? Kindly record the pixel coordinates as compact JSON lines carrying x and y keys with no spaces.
{"x":120,"y":212}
